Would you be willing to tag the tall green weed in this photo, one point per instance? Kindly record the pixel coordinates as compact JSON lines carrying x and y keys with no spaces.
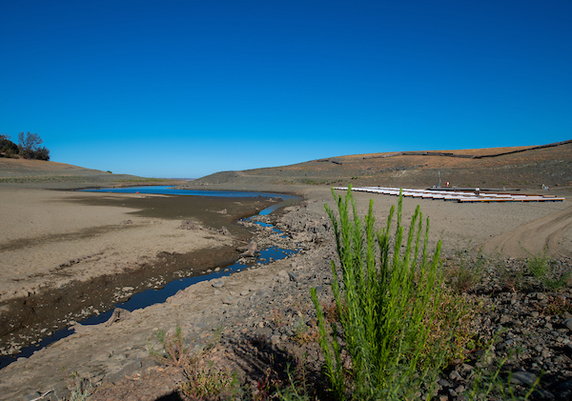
{"x":393,"y":336}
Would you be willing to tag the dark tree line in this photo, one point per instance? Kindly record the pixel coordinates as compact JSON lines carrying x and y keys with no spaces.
{"x":28,"y":147}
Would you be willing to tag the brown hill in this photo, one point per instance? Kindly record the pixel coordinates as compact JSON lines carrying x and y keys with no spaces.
{"x":47,"y":174}
{"x":520,"y":167}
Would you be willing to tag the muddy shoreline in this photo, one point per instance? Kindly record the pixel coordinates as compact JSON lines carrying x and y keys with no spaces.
{"x":28,"y":318}
{"x":33,"y":317}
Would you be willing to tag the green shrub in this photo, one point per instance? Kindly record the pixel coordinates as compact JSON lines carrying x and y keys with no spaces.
{"x":207,"y":382}
{"x":543,"y":270}
{"x":538,"y":266}
{"x":175,"y":351}
{"x":464,"y":271}
{"x":394,"y":333}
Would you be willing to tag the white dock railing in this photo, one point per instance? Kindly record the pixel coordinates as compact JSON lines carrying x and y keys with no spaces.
{"x":457,"y":196}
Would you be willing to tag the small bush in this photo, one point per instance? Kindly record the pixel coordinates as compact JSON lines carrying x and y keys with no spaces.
{"x":175,"y":352}
{"x":396,"y":326}
{"x":29,"y":147}
{"x":206,"y":382}
{"x":83,"y":389}
{"x":538,"y":266}
{"x":463,"y":278}
{"x":464,"y":272}
{"x":7,"y":147}
{"x":293,"y":392}
{"x":511,"y":279}
{"x":544,"y":271}
{"x":41,"y":153}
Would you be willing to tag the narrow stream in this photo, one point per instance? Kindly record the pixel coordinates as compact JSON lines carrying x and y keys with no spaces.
{"x":152,"y":296}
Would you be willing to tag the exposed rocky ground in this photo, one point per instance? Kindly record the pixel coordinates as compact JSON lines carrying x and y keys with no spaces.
{"x":260,"y":324}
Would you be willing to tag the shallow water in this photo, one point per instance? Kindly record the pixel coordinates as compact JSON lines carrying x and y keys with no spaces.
{"x":171,"y":190}
{"x":150,"y":297}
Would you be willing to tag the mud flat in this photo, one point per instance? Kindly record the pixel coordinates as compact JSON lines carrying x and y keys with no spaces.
{"x":67,"y":255}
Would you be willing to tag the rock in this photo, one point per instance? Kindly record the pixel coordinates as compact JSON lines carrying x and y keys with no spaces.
{"x":34,"y":396}
{"x":522,"y":377}
{"x":118,"y":315}
{"x":568,"y":323}
{"x":282,"y":276}
{"x":466,"y":368}
{"x":251,"y":249}
{"x":187,"y":225}
{"x":454,"y":375}
{"x":563,"y":390}
{"x":445,"y":383}
{"x":224,"y":231}
{"x":275,"y":339}
{"x":505,"y":319}
{"x":217,"y":284}
{"x":293,"y":277}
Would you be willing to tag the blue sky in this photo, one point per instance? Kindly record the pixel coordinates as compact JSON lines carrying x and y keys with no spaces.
{"x":186,"y":88}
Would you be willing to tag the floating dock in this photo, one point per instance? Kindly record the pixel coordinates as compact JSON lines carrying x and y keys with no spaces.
{"x":457,"y":196}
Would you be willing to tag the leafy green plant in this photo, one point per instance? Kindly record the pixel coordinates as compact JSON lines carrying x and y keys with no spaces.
{"x":392,"y":338}
{"x":206,"y":382}
{"x":511,"y":279}
{"x":82,"y":390}
{"x":293,"y":392}
{"x":174,"y":350}
{"x":541,"y":268}
{"x":464,"y":272}
{"x":538,"y":266}
{"x":303,"y":333}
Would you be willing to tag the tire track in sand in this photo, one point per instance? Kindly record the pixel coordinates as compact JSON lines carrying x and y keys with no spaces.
{"x":551,"y":234}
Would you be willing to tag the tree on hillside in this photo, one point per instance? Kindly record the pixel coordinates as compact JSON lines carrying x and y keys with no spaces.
{"x":7,"y":147}
{"x":29,"y":146}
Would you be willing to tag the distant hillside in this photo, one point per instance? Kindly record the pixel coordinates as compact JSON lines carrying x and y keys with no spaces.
{"x":49,"y":174}
{"x":522,"y":167}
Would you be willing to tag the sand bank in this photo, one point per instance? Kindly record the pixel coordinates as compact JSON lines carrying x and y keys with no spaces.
{"x":66,"y":254}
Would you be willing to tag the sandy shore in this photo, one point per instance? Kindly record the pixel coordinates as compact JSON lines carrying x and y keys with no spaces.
{"x":65,"y":254}
{"x":503,"y":229}
{"x":95,"y":232}
{"x":48,"y":241}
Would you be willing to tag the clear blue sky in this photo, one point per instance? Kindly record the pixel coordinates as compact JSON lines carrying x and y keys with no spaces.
{"x":185,"y":88}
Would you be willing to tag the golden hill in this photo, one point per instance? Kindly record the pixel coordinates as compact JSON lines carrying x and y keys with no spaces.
{"x":521,"y":167}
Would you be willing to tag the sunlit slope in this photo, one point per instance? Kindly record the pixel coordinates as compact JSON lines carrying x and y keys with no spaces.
{"x":49,"y":174}
{"x":525,"y":167}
